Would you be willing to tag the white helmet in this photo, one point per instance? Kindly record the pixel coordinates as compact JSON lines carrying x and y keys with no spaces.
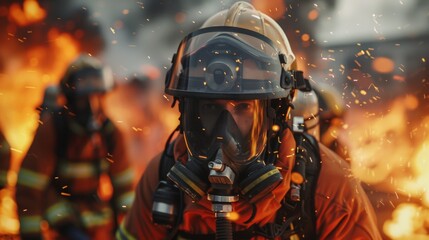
{"x":244,"y":15}
{"x":238,"y":53}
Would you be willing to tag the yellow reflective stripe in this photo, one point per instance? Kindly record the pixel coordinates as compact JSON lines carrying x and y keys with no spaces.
{"x":30,"y":224}
{"x":123,"y":178}
{"x":92,"y":219}
{"x":259,"y":180}
{"x":125,"y":200}
{"x":58,"y":212}
{"x":123,"y":234}
{"x":32,"y":179}
{"x":3,"y":178}
{"x":77,"y":170}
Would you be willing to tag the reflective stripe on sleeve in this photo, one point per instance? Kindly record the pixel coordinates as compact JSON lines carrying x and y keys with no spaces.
{"x":123,"y":178}
{"x":77,"y":170}
{"x":30,"y":224}
{"x":59,"y":211}
{"x":32,"y":179}
{"x":125,"y":200}
{"x":92,"y":219}
{"x":123,"y":234}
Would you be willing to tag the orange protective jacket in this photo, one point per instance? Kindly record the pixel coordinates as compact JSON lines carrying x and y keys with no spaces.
{"x":65,"y":191}
{"x":342,"y":208}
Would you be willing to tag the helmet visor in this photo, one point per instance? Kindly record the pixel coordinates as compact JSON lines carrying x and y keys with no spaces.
{"x":238,"y":128}
{"x":230,"y":62}
{"x":90,"y":80}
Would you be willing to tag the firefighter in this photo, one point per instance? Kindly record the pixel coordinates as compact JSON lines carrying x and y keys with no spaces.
{"x":230,"y":172}
{"x":75,"y":175}
{"x":320,"y":112}
{"x":5,"y":158}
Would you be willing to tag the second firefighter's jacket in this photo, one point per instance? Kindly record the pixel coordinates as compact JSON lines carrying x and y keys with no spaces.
{"x":63,"y":187}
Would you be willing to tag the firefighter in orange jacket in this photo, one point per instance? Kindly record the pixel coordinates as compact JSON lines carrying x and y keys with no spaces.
{"x":232,"y":166}
{"x":75,"y":152}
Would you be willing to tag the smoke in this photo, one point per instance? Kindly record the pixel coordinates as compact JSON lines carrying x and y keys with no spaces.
{"x":138,"y":33}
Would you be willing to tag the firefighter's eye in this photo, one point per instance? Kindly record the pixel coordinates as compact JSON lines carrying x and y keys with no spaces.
{"x":243,"y":108}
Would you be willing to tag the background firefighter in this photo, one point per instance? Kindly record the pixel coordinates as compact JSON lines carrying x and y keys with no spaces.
{"x":75,"y":152}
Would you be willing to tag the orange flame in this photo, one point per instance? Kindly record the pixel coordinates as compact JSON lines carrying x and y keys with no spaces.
{"x":378,"y":145}
{"x":22,"y":85}
{"x":408,"y":222}
{"x":386,"y":153}
{"x":30,"y":12}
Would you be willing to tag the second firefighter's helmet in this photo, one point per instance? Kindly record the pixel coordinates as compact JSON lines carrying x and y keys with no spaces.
{"x":86,"y":75}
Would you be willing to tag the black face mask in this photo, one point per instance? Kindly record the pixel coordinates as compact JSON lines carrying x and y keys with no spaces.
{"x":237,"y":128}
{"x":83,"y":113}
{"x":231,"y":136}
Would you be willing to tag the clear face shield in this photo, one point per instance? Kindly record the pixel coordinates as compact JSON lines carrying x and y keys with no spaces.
{"x":226,"y":63}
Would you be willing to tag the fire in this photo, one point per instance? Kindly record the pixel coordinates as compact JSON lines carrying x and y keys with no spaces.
{"x":273,"y":8}
{"x":30,"y":12}
{"x":391,"y":152}
{"x":408,"y":222}
{"x":417,"y":185}
{"x":383,"y":150}
{"x":378,"y":145}
{"x":22,"y":82}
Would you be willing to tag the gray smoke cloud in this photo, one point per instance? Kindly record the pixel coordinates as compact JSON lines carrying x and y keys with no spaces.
{"x":137,"y":33}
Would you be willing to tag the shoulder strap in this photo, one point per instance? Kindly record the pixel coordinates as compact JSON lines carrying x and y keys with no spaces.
{"x":303,"y":222}
{"x":312,"y":170}
{"x":297,"y":217}
{"x":166,"y":192}
{"x":167,"y":158}
{"x":167,"y":162}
